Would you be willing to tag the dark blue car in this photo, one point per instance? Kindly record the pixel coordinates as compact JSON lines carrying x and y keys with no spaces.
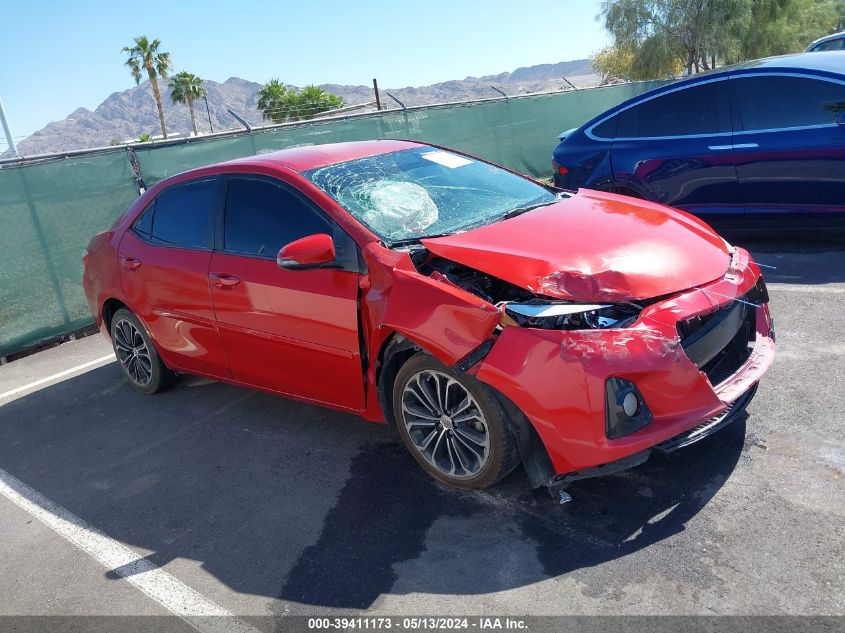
{"x":758,"y":146}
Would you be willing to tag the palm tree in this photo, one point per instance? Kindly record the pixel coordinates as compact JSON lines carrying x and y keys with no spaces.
{"x":275,"y":100}
{"x":145,"y":56}
{"x":186,"y":87}
{"x":281,"y":103}
{"x":313,"y":100}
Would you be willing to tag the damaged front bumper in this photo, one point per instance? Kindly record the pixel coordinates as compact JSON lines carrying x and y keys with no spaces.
{"x":684,"y":355}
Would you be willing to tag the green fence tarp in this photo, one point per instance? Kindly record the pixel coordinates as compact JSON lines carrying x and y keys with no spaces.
{"x":50,"y":210}
{"x":48,"y":213}
{"x":518,"y":133}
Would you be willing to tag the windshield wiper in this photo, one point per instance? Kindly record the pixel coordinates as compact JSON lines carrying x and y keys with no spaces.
{"x":520,"y":210}
{"x":415,"y":240}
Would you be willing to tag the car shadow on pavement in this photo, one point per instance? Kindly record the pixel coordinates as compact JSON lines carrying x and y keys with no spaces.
{"x":309,"y":506}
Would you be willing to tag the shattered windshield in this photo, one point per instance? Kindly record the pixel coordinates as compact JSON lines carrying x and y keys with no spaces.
{"x":425,"y":191}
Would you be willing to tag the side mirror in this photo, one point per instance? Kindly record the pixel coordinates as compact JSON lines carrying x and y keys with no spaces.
{"x":311,"y":251}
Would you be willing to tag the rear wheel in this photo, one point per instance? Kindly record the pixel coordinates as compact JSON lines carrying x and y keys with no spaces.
{"x":452,"y":424}
{"x":137,"y":355}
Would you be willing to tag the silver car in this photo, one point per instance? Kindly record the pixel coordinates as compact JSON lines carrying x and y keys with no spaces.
{"x":835,"y":42}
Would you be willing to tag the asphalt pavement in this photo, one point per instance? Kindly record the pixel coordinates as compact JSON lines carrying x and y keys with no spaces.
{"x":115,"y":503}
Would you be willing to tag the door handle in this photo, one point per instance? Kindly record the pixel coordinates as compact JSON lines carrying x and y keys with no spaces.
{"x":735,"y":146}
{"x":222,"y":280}
{"x":130,"y":263}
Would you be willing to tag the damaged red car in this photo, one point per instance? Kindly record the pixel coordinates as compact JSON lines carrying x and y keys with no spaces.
{"x":492,"y":320}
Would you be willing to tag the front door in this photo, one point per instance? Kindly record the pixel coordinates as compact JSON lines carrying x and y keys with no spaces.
{"x":164,"y":263}
{"x":292,"y":331}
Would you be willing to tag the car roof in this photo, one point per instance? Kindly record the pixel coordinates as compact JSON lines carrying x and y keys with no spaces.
{"x":826,"y":62}
{"x":314,"y":156}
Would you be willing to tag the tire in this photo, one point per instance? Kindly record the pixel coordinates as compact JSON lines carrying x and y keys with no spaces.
{"x":139,"y":361}
{"x":459,"y":433}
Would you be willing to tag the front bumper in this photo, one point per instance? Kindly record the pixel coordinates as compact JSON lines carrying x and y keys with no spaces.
{"x":557,"y":378}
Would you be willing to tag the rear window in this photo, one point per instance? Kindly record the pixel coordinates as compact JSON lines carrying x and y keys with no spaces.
{"x":180,"y":216}
{"x":607,"y":129}
{"x":144,"y":224}
{"x":685,"y":112}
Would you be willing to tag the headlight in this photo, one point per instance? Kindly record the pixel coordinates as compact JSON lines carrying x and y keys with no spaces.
{"x":573,"y":316}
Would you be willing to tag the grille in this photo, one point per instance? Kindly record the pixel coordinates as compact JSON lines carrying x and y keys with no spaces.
{"x":720,"y":342}
{"x":728,"y":361}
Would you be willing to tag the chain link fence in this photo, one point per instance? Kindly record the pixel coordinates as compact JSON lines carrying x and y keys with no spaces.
{"x":51,"y":206}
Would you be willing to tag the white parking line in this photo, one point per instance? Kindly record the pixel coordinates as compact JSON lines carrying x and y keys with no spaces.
{"x":67,"y":372}
{"x":808,"y":288}
{"x":201,"y":613}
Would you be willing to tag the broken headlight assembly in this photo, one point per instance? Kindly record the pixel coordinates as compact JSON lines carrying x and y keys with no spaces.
{"x":573,"y":316}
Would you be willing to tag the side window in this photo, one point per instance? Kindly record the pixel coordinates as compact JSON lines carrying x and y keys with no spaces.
{"x":144,"y":225}
{"x":830,"y":45}
{"x":261,"y":217}
{"x":606,"y":129}
{"x":181,"y":216}
{"x":774,"y":102}
{"x":696,"y":110}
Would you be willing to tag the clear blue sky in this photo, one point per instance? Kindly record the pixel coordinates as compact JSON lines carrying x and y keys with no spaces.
{"x":57,"y":55}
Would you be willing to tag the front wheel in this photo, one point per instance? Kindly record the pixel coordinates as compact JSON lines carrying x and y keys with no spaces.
{"x":453,"y":425}
{"x":137,"y":355}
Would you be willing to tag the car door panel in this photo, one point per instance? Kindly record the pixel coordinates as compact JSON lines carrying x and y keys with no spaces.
{"x":291,"y":331}
{"x":169,"y":292}
{"x":167,"y":287}
{"x":790,"y":154}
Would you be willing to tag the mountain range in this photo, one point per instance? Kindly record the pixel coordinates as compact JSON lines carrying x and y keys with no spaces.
{"x":125,"y":115}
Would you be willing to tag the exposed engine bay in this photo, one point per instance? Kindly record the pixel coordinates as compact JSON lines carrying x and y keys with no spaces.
{"x":525,"y":308}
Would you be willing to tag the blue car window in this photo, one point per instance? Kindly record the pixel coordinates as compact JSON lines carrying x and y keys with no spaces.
{"x":685,"y":112}
{"x":606,"y":129}
{"x":771,"y":102}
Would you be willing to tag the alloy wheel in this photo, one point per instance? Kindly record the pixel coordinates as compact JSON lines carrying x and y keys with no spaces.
{"x":445,"y":424}
{"x":133,"y":353}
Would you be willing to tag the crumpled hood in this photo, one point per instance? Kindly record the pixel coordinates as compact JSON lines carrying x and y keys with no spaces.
{"x":593,"y":246}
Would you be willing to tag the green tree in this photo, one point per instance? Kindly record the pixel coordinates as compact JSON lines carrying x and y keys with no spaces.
{"x":615,"y":63}
{"x":787,"y":27}
{"x":144,"y":56}
{"x":279,"y":103}
{"x":312,"y":100}
{"x":275,"y":101}
{"x":145,"y":138}
{"x":699,"y":34}
{"x":186,"y":87}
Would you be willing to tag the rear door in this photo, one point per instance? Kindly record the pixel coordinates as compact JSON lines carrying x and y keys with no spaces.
{"x":164,"y":262}
{"x":790,"y":151}
{"x":676,"y":148}
{"x":292,"y":331}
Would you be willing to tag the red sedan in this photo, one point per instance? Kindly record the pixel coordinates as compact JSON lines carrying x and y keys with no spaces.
{"x":491,"y":319}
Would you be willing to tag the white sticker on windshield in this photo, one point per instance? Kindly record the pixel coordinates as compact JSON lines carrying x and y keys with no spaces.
{"x":446,"y":159}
